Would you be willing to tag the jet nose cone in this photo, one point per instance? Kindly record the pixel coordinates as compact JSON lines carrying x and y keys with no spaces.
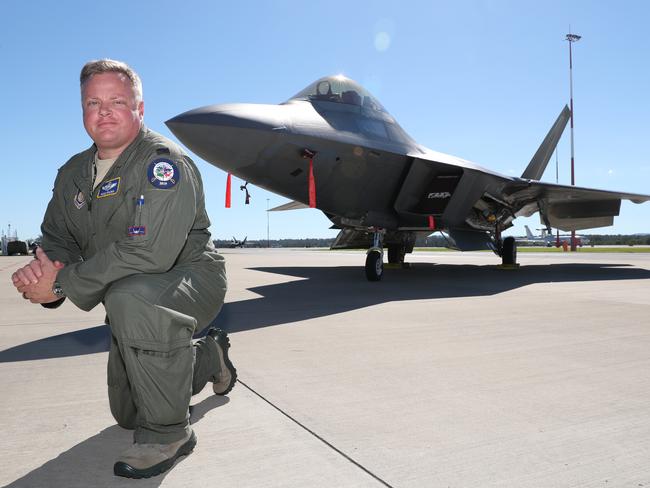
{"x":227,"y":135}
{"x":243,"y":116}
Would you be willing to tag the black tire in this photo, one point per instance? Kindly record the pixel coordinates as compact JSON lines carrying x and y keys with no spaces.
{"x":374,"y":266}
{"x":396,"y":254}
{"x":509,"y":251}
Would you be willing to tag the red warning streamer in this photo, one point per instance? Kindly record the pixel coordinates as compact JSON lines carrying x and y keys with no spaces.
{"x":228,"y":187}
{"x":312,"y":185}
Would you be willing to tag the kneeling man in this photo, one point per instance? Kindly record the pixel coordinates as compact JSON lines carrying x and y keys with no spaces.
{"x":127,"y":227}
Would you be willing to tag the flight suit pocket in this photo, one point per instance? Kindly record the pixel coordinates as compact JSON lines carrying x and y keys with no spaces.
{"x":163,"y":381}
{"x":112,"y":215}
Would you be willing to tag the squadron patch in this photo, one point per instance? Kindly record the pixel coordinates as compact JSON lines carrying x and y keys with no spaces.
{"x":163,"y":173}
{"x":79,"y":200}
{"x":109,"y":188}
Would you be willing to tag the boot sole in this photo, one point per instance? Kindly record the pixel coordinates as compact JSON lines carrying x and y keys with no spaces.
{"x":127,"y":471}
{"x":224,"y":343}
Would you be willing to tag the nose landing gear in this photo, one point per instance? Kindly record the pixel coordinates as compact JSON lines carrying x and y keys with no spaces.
{"x":375,"y":257}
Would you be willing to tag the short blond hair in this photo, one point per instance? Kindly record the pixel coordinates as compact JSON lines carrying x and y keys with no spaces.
{"x":111,"y":66}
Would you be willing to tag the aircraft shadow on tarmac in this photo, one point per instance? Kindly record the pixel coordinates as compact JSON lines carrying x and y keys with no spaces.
{"x":90,"y":463}
{"x":326,"y":291}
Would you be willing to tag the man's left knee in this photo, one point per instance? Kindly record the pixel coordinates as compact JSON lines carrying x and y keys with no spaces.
{"x":138,"y":319}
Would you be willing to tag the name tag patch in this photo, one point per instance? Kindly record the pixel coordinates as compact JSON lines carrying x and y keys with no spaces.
{"x":163,"y":173}
{"x":109,"y":188}
{"x":137,"y":230}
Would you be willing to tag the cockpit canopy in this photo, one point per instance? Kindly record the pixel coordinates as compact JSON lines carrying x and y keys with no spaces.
{"x":339,"y":89}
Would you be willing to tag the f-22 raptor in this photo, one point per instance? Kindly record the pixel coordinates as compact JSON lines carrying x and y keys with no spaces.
{"x":237,"y":243}
{"x":335,"y":147}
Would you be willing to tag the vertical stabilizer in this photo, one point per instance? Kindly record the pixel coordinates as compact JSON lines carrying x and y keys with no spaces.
{"x":537,"y":165}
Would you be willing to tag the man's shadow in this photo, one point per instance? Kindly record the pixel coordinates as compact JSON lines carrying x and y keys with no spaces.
{"x":90,"y":463}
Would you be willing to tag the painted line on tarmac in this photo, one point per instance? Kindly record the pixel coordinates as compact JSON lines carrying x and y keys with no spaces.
{"x":367,"y":471}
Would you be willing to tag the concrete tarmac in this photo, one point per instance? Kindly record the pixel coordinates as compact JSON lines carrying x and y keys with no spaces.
{"x":452,"y":373}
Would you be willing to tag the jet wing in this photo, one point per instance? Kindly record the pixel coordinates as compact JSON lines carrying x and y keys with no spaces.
{"x":465,"y":195}
{"x":567,"y":207}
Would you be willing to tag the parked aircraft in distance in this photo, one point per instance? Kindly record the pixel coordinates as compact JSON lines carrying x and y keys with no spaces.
{"x":529,"y":239}
{"x":235,"y":243}
{"x":334,"y":147}
{"x":549,"y":239}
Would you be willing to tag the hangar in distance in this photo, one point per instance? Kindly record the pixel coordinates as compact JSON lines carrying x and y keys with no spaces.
{"x":334,"y":147}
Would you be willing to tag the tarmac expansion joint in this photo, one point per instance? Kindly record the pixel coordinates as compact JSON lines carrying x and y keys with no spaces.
{"x":314,"y":434}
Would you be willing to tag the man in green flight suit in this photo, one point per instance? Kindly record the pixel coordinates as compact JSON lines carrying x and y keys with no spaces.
{"x":127,"y":227}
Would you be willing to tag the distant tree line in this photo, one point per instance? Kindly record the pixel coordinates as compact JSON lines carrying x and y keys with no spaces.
{"x":310,"y":242}
{"x":435,"y":240}
{"x":619,"y":240}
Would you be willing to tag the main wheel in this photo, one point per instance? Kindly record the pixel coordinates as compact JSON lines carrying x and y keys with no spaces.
{"x":374,"y":266}
{"x":396,"y":254}
{"x":509,"y":251}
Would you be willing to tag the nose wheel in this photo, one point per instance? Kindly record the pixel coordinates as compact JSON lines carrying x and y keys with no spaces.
{"x":374,"y":265}
{"x":375,"y":257}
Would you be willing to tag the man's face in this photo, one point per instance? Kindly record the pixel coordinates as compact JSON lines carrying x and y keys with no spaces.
{"x":112,"y":117}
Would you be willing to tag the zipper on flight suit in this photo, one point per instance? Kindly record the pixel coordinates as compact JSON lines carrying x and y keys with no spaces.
{"x":92,"y":182}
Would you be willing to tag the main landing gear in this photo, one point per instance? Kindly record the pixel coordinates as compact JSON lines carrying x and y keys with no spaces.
{"x":509,"y":252}
{"x":396,"y":254}
{"x":375,"y":258}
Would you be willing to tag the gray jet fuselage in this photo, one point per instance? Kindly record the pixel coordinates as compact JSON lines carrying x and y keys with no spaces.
{"x":362,"y":155}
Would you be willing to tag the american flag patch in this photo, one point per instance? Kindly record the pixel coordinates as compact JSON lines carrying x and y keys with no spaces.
{"x":137,"y":230}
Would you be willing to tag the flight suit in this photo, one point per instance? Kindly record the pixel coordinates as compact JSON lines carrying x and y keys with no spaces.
{"x":139,"y":244}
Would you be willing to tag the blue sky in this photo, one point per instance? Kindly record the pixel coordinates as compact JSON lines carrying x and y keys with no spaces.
{"x":483,"y":80}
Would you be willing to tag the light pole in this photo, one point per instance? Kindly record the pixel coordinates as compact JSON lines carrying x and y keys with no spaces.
{"x":557,"y":182}
{"x":572,"y":38}
{"x":268,"y":241}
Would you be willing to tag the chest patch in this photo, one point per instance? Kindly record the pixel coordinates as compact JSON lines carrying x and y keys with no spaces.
{"x":79,"y":200}
{"x":163,"y":173}
{"x":109,"y":188}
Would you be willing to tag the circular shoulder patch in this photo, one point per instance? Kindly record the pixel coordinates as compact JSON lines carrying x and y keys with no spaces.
{"x":163,"y":173}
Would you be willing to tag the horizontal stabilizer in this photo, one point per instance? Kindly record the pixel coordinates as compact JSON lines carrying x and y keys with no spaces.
{"x":537,"y":165}
{"x":568,"y":207}
{"x":295,"y":205}
{"x":579,"y":215}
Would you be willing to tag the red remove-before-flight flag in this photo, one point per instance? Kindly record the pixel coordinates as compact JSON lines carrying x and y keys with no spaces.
{"x":312,"y":185}
{"x":228,"y":186}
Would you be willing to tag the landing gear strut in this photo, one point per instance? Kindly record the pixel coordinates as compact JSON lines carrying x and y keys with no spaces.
{"x":375,"y":258}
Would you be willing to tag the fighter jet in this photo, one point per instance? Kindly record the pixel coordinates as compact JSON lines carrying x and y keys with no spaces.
{"x":237,"y":243}
{"x":334,"y":147}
